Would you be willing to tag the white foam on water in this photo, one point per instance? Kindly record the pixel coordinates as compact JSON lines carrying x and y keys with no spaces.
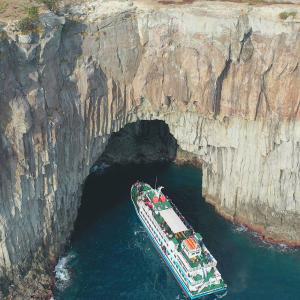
{"x":220,"y":296}
{"x":100,"y":168}
{"x":141,"y":230}
{"x":62,"y":272}
{"x":261,"y":242}
{"x":137,"y":232}
{"x":240,"y":228}
{"x":283,"y":248}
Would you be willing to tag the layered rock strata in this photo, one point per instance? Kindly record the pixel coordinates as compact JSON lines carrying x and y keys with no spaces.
{"x":225,"y":77}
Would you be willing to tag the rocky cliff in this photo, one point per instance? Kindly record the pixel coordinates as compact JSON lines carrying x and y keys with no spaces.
{"x":225,"y":77}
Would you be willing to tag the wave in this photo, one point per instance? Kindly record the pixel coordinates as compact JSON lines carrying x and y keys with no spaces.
{"x":262,"y":242}
{"x":240,"y":228}
{"x":139,"y":231}
{"x":62,"y":271}
{"x":283,"y":248}
{"x":99,"y":168}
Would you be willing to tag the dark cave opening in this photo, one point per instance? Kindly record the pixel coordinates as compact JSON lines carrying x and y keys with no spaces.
{"x":141,"y":142}
{"x":140,"y":150}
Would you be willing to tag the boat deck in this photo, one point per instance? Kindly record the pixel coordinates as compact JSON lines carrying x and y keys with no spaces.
{"x":162,"y":206}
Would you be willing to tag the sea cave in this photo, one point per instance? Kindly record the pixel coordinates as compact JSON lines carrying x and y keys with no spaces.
{"x":199,"y":97}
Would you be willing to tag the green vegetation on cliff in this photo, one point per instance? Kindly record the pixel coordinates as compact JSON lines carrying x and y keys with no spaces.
{"x":30,"y":22}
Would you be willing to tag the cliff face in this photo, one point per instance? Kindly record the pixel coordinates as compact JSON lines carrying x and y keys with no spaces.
{"x":225,"y":77}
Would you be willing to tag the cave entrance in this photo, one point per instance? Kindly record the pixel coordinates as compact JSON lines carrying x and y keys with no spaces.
{"x":108,"y":238}
{"x":141,"y":150}
{"x":141,"y":142}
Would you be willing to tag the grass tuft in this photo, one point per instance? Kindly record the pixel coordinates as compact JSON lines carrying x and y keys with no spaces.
{"x":285,"y":14}
{"x":3,"y":6}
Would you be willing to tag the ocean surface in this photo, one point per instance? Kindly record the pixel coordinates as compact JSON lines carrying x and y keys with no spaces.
{"x":111,"y":256}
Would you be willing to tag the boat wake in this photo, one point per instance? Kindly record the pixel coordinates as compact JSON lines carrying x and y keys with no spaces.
{"x":62,"y":272}
{"x":139,"y":231}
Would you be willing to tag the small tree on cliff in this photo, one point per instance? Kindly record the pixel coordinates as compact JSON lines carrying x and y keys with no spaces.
{"x":33,"y":13}
{"x":30,"y":22}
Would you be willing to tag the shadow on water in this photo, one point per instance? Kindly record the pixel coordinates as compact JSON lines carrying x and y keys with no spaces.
{"x":103,"y":193}
{"x":112,"y":257}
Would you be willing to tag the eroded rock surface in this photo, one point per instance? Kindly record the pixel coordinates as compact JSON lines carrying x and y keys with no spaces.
{"x":225,"y":77}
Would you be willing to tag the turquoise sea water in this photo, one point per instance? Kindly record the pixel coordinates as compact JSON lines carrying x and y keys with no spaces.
{"x":111,"y":256}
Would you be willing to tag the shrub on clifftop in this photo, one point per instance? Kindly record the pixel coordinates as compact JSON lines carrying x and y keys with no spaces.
{"x":26,"y":25}
{"x":30,"y":22}
{"x":33,"y":13}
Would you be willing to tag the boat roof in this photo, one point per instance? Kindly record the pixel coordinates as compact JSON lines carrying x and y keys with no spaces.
{"x":172,"y":220}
